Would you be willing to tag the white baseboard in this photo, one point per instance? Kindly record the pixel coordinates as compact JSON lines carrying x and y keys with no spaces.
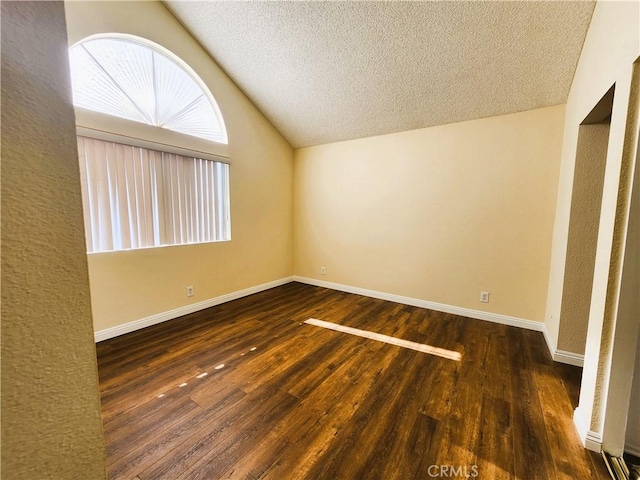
{"x":593,"y":441}
{"x":415,"y":302}
{"x":558,"y":355}
{"x":569,"y":358}
{"x":562,"y":356}
{"x":590,"y":440}
{"x":187,"y":309}
{"x":632,"y":449}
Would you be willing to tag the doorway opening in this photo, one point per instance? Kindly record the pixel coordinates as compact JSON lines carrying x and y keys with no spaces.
{"x":584,"y":223}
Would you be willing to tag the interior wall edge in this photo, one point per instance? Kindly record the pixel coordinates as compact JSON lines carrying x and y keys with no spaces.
{"x":151,"y":320}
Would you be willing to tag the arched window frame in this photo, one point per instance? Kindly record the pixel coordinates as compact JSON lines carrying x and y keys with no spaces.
{"x":90,"y":123}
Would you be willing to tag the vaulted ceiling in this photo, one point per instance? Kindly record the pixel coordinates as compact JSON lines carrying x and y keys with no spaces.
{"x":330,"y":71}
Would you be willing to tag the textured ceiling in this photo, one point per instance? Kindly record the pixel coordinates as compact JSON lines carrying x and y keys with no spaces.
{"x":329,"y":71}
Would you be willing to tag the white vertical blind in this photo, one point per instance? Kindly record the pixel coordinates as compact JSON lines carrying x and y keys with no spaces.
{"x":135,"y":198}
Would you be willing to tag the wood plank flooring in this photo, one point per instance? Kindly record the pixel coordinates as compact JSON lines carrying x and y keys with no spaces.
{"x":296,"y":401}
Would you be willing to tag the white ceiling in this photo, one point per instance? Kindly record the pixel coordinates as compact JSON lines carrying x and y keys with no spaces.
{"x":330,"y":71}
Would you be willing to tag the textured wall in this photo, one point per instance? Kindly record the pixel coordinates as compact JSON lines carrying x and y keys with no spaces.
{"x":591,"y":158}
{"x":612,"y":44}
{"x":611,"y":47}
{"x":51,"y":427}
{"x":437,"y":214}
{"x":607,"y":299}
{"x":627,"y":336}
{"x":152,"y":281}
{"x":622,"y":310}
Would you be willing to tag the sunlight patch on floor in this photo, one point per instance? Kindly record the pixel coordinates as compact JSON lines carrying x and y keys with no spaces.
{"x":399,"y":342}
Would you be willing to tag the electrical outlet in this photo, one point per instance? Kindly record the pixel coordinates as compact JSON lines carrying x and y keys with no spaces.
{"x":190,"y":291}
{"x":484,"y":297}
{"x":323,"y":271}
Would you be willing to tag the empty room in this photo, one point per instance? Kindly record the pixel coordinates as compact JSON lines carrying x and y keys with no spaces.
{"x":320,"y":240}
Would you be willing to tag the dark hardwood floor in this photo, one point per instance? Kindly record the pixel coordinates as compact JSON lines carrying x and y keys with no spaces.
{"x":299,"y":401}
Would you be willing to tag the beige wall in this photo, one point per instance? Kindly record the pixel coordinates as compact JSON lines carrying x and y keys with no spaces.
{"x":611,"y":46}
{"x":51,"y":427}
{"x":436,"y":214}
{"x":128,"y":286}
{"x":586,"y":200}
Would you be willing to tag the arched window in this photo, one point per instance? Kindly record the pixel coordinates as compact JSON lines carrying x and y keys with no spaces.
{"x":135,"y":79}
{"x":152,"y":147}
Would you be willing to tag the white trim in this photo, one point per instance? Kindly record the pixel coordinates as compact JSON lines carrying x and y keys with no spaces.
{"x":590,"y":440}
{"x":187,"y":309}
{"x":173,"y":58}
{"x":547,"y":338}
{"x":632,"y":449}
{"x":569,"y":358}
{"x":562,"y":356}
{"x":440,"y":307}
{"x":581,"y":427}
{"x":119,"y":130}
{"x":593,"y":441}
